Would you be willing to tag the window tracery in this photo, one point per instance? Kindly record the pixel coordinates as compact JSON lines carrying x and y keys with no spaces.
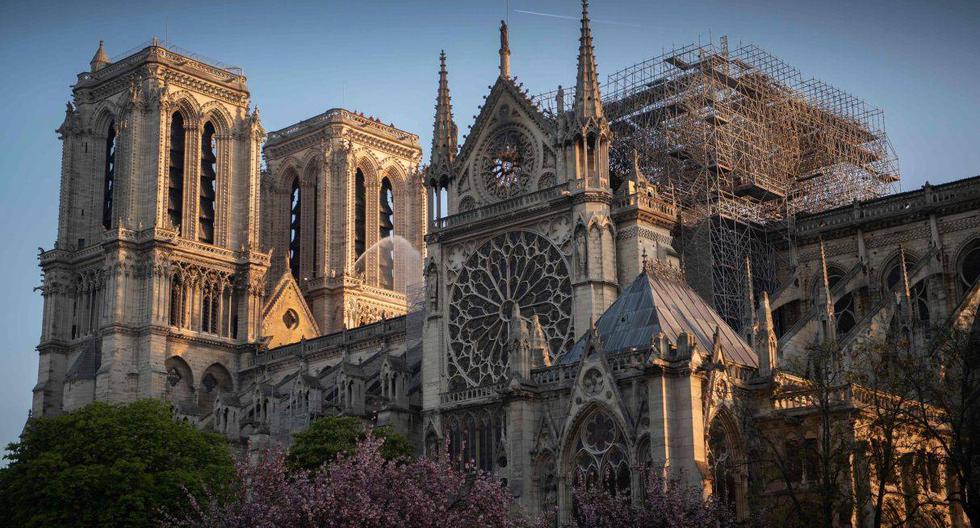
{"x":517,"y":268}
{"x":508,"y":161}
{"x":600,"y":455}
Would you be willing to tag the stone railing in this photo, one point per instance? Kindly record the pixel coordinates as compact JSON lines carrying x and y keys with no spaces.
{"x":653,"y":203}
{"x":472,"y":393}
{"x":338,"y":115}
{"x":336,"y":340}
{"x":929,"y":196}
{"x":505,"y":206}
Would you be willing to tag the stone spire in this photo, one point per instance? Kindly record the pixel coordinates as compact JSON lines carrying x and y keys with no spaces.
{"x":588,"y":102}
{"x":100,"y":60}
{"x":504,"y":51}
{"x":765,"y":342}
{"x":444,"y":133}
{"x":827,"y":317}
{"x":748,"y":304}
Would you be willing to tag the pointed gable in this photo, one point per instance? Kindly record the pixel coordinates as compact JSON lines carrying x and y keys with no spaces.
{"x":286,"y":317}
{"x":656,"y":303}
{"x":504,"y":91}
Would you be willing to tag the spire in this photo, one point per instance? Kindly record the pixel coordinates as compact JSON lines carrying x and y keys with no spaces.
{"x":504,"y":51}
{"x":588,"y":102}
{"x":765,"y":343}
{"x":100,"y":60}
{"x":829,"y":324}
{"x":748,"y":304}
{"x":444,"y":133}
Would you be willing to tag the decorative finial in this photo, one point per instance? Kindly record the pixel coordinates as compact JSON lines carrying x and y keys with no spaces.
{"x":100,"y":60}
{"x":504,"y":51}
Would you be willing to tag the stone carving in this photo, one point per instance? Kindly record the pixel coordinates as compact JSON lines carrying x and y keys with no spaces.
{"x":516,"y":268}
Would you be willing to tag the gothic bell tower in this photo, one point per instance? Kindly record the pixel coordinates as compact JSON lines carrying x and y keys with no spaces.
{"x":154,"y":285}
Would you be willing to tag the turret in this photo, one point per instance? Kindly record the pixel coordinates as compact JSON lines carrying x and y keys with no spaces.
{"x":100,"y":60}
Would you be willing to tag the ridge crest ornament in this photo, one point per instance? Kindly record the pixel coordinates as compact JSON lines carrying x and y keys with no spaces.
{"x":516,"y":268}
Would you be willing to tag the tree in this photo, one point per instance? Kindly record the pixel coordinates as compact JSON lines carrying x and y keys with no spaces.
{"x":947,"y":384}
{"x":363,"y":490}
{"x":327,"y":438}
{"x":108,"y":465}
{"x":665,"y":503}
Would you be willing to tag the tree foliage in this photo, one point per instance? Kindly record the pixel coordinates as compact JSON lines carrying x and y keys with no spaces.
{"x":363,"y":490}
{"x":665,"y":503}
{"x":327,"y":438}
{"x":107,"y":465}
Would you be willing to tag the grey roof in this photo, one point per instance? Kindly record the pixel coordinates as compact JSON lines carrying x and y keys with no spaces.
{"x":88,"y":362}
{"x":656,"y":303}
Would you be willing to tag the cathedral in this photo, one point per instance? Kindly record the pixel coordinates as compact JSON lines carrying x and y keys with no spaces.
{"x":551,"y":298}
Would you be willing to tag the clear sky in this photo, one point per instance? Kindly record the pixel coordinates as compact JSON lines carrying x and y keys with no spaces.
{"x":918,"y":61}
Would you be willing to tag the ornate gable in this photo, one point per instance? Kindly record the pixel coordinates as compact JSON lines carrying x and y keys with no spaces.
{"x":508,"y":148}
{"x":286,"y":318}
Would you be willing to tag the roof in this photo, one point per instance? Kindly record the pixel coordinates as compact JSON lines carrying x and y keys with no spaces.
{"x":88,"y":362}
{"x":656,"y":303}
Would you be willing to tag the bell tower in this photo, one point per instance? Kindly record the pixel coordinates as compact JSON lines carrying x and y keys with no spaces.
{"x":154,"y":285}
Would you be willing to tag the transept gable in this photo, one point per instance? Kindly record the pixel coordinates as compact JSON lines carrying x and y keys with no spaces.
{"x":286,"y":318}
{"x":505,"y":104}
{"x":595,"y":385}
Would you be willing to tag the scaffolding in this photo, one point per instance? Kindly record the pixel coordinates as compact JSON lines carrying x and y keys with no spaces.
{"x":742,"y":141}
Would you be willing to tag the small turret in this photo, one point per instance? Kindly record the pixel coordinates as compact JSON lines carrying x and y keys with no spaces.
{"x":100,"y":60}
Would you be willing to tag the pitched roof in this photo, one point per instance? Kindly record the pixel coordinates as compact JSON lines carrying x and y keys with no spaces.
{"x":88,"y":362}
{"x":656,"y":303}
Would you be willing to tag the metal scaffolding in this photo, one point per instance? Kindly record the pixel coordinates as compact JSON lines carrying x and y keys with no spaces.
{"x":742,"y":141}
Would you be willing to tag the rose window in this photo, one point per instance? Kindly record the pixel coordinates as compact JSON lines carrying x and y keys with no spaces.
{"x":507,"y":163}
{"x":519,"y":270}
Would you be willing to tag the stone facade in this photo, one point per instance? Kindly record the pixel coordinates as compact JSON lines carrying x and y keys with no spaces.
{"x":556,"y":336}
{"x":334,"y":169}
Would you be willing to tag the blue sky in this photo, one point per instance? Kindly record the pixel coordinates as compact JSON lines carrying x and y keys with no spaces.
{"x":918,"y":61}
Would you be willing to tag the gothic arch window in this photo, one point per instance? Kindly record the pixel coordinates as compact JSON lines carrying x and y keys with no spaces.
{"x":478,"y":438}
{"x":175,"y":191}
{"x":360,"y":214}
{"x":386,"y":228}
{"x":295,"y":229}
{"x":209,"y":180}
{"x":918,"y":292}
{"x":215,"y":380}
{"x":599,"y":455}
{"x":968,"y":264}
{"x":109,"y":176}
{"x":722,"y":464}
{"x":180,"y":380}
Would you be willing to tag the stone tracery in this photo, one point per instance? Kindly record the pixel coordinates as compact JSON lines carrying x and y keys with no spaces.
{"x":516,"y":268}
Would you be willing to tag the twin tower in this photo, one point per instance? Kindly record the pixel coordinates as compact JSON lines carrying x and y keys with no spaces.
{"x":179,"y":255}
